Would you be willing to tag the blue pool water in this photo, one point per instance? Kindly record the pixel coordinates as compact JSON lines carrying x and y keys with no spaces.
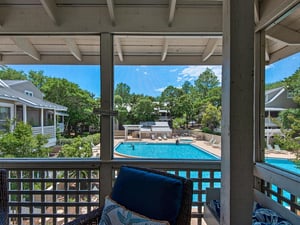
{"x":284,"y":164}
{"x":189,"y":151}
{"x":163,"y":151}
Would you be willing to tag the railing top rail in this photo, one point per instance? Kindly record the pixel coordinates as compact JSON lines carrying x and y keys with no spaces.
{"x":34,"y":163}
{"x":286,"y":180}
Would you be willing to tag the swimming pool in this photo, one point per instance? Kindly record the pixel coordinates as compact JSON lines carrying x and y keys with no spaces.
{"x":284,"y":164}
{"x":162,"y":151}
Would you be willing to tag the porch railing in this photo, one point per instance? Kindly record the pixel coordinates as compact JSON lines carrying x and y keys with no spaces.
{"x":46,"y":130}
{"x":281,"y":186}
{"x":54,"y":191}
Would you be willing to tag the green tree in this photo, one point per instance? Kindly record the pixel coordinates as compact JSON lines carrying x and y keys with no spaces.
{"x":178,"y":122}
{"x":80,"y":103}
{"x":214,"y":96}
{"x":79,"y":148}
{"x":21,"y":143}
{"x":37,"y":78}
{"x":7,"y":73}
{"x":185,"y":106}
{"x":143,"y":110}
{"x":290,"y":120}
{"x":206,"y":81}
{"x":170,"y":96}
{"x":123,"y":90}
{"x":274,"y":85}
{"x":187,"y":87}
{"x":118,"y":101}
{"x":211,"y":117}
{"x":293,"y":85}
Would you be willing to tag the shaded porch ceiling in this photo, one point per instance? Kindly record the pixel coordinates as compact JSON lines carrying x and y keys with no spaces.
{"x":175,"y":32}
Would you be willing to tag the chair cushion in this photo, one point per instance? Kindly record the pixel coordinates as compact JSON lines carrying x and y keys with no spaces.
{"x":262,"y":216}
{"x":150,"y":194}
{"x":3,"y":218}
{"x":116,"y":214}
{"x":215,"y":205}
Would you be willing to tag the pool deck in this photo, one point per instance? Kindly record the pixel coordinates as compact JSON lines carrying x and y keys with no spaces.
{"x":215,"y":150}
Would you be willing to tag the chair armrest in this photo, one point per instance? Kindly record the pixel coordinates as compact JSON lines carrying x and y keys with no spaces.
{"x":90,"y":218}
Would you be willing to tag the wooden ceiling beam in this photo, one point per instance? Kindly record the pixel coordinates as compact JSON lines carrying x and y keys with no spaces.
{"x":274,"y":11}
{"x":210,"y":48}
{"x":26,"y":46}
{"x":284,"y":34}
{"x":165,"y":50}
{"x":111,"y":11}
{"x":50,"y":8}
{"x":172,"y":12}
{"x":73,"y":47}
{"x":119,"y":49}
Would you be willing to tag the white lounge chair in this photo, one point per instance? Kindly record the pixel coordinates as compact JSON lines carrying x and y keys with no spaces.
{"x":214,"y":141}
{"x":269,"y":147}
{"x":217,"y":145}
{"x":210,"y":141}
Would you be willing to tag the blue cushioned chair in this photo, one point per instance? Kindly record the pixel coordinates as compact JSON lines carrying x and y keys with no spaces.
{"x":3,"y":198}
{"x":153,"y":193}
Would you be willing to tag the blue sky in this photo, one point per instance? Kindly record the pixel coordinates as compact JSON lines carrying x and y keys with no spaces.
{"x":150,"y":80}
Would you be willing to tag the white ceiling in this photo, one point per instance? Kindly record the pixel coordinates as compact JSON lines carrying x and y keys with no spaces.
{"x":185,"y":32}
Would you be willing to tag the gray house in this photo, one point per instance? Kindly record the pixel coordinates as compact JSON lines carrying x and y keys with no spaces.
{"x":21,"y":100}
{"x":276,"y":100}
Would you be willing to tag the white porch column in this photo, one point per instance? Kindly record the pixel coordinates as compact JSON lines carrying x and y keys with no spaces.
{"x":107,"y":87}
{"x":237,"y":114}
{"x":54,"y":122}
{"x":259,"y":100}
{"x":24,"y":113}
{"x":126,"y":133}
{"x":42,"y":120}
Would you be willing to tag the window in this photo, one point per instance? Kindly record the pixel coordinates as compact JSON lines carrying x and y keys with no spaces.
{"x":6,"y":112}
{"x":29,"y":93}
{"x":48,"y":117}
{"x":4,"y":116}
{"x":34,"y":117}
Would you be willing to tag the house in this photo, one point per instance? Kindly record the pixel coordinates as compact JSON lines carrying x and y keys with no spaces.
{"x":276,"y":100}
{"x":22,"y":101}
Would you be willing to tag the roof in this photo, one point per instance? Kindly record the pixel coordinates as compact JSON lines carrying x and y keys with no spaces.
{"x":274,"y":109}
{"x":14,"y":82}
{"x":273,"y":90}
{"x":185,"y":32}
{"x":8,"y":93}
{"x":273,"y":94}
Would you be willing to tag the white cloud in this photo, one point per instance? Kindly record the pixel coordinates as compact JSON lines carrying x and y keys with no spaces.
{"x":179,"y":79}
{"x":269,"y":66}
{"x":191,"y":73}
